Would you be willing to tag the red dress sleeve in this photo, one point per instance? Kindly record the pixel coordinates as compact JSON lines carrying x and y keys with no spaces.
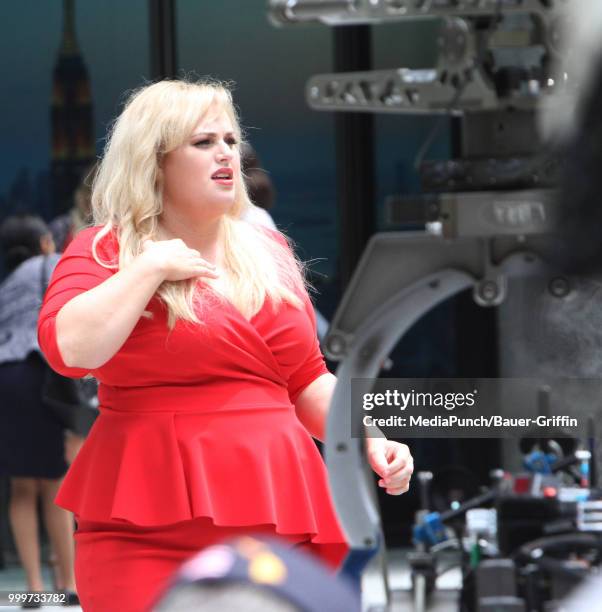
{"x":313,"y":366}
{"x":76,"y":272}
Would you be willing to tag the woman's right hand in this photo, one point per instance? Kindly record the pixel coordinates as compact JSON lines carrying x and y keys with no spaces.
{"x":93,"y":326}
{"x":175,"y":260}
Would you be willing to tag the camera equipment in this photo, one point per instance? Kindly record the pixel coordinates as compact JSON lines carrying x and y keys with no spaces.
{"x":489,"y":215}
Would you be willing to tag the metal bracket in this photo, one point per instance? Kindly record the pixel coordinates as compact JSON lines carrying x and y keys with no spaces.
{"x":348,"y":12}
{"x":460,"y":81}
{"x":589,"y":516}
{"x":401,"y":276}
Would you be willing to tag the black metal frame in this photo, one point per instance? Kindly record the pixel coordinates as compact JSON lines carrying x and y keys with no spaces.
{"x":163,"y":39}
{"x":354,"y":146}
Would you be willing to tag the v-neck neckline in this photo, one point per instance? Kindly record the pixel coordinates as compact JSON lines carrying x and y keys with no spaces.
{"x":232,"y":306}
{"x":251,"y":325}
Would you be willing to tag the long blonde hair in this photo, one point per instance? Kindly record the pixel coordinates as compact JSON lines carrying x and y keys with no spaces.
{"x":127,"y":199}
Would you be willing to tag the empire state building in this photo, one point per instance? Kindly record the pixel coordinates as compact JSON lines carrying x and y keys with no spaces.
{"x":71,"y":118}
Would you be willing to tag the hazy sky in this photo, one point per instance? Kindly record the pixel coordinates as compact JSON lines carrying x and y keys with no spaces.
{"x":113,"y":37}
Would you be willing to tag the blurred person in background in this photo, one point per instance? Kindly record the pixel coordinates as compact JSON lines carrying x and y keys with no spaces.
{"x":259,"y":187}
{"x":32,"y":440}
{"x":66,"y":226}
{"x":201,"y":333}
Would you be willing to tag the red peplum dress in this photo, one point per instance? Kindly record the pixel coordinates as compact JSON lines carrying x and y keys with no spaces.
{"x":197,"y":438}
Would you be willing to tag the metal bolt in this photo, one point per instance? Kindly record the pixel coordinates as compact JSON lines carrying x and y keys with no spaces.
{"x":559,"y":287}
{"x":496,"y":475}
{"x":537,"y":553}
{"x":336,"y":345}
{"x":488,"y":291}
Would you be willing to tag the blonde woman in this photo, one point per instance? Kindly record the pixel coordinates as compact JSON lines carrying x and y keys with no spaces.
{"x":200,"y":330}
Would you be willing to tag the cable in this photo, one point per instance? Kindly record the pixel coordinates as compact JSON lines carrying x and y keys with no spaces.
{"x":559,"y":542}
{"x":424,"y":149}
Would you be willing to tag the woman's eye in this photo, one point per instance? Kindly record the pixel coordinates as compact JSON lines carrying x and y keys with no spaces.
{"x":207,"y":142}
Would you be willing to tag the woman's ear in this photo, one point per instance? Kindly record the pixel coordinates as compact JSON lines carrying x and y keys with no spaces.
{"x":47,"y":245}
{"x":159,"y":176}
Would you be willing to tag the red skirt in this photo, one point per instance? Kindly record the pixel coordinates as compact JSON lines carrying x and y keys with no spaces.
{"x":125,"y":567}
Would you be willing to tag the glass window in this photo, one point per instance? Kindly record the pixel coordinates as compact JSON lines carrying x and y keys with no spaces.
{"x":234,"y":41}
{"x":65,"y":66}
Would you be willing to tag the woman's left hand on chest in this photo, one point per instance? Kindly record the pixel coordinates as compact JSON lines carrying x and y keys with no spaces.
{"x":393,"y":462}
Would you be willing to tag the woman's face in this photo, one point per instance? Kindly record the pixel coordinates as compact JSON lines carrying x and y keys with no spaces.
{"x":199,"y":176}
{"x":47,"y":246}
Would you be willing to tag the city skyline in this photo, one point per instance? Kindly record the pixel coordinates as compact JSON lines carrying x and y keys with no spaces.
{"x":27,"y":64}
